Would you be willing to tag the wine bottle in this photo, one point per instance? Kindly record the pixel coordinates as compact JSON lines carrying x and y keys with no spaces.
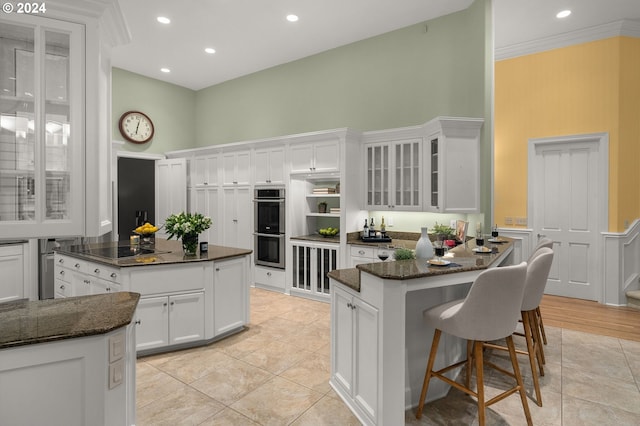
{"x":372,"y":229}
{"x":383,"y":227}
{"x":365,"y":230}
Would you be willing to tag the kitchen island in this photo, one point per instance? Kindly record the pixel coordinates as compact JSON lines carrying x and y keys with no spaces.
{"x":185,"y":300}
{"x":68,"y":361}
{"x":379,"y":341}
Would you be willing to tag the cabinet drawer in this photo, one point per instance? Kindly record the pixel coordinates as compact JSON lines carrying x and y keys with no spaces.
{"x":168,"y":279}
{"x":62,"y":289}
{"x":62,"y":274}
{"x":270,"y":277}
{"x":105,"y":272}
{"x":362,"y":251}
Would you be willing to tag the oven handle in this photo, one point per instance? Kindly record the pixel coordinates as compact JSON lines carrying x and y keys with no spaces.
{"x":259,"y":234}
{"x":269,"y":200}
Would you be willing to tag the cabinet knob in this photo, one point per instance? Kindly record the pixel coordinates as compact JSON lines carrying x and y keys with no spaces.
{"x":62,"y":287}
{"x":77,"y":265}
{"x":164,"y":304}
{"x":268,"y":274}
{"x":172,"y":303}
{"x":108,"y":289}
{"x":60,"y":260}
{"x":97,"y":271}
{"x":138,"y":322}
{"x":360,"y":251}
{"x":61,"y":272}
{"x":217,"y":269}
{"x":113,"y":275}
{"x":87,"y":282}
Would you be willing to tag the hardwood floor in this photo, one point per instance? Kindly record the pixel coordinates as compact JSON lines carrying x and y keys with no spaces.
{"x":591,"y":317}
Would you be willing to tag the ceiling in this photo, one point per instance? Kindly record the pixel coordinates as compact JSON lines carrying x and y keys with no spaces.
{"x":252,"y":35}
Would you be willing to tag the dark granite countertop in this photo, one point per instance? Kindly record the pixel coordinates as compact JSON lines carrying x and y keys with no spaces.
{"x":462,"y":259}
{"x":166,"y":252}
{"x":29,"y":322}
{"x":317,"y":238}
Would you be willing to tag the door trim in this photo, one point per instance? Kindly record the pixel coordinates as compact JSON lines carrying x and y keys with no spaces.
{"x":602,"y":139}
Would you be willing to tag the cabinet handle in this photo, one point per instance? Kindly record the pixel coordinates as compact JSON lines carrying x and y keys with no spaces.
{"x":97,"y":271}
{"x":235,"y":182}
{"x":87,"y":282}
{"x":113,"y":275}
{"x":77,"y":265}
{"x":60,"y":260}
{"x":349,"y":305}
{"x":172,"y":303}
{"x":61,"y":273}
{"x":217,"y":269}
{"x":108,"y":289}
{"x":164,"y":304}
{"x":268,"y":274}
{"x":138,"y":322}
{"x":360,"y":251}
{"x":62,"y":287}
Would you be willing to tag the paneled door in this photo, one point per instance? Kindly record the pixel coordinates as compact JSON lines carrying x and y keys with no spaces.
{"x":568,"y":202}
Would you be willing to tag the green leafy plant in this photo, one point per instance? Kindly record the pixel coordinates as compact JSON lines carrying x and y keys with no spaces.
{"x":404,"y":254}
{"x":181,"y":224}
{"x":446,"y":231}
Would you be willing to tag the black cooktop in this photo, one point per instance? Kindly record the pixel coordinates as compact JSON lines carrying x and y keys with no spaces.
{"x":115,"y":252}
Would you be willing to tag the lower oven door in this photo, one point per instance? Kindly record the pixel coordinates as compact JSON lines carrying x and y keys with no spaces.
{"x":269,"y":250}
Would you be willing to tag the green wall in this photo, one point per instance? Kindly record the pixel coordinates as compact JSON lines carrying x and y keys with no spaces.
{"x":170,"y":107}
{"x":401,"y":78}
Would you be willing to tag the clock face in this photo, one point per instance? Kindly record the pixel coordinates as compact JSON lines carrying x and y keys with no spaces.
{"x":136,"y":127}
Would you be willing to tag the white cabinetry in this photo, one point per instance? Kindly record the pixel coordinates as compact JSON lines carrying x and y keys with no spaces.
{"x":230,"y":295}
{"x":206,"y":200}
{"x":236,"y":167}
{"x":75,"y":277}
{"x":453,"y":161}
{"x":169,"y":320}
{"x":236,"y":226}
{"x":362,"y":254}
{"x":171,"y":190}
{"x":394,"y":175}
{"x":315,"y":157}
{"x":309,"y":267}
{"x":55,"y":144}
{"x":269,"y":166}
{"x":12,"y":270}
{"x":270,"y":278}
{"x":354,"y":352}
{"x":204,"y":170}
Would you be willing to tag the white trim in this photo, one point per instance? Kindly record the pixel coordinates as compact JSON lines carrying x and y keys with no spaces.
{"x":625,"y":28}
{"x":621,"y":266}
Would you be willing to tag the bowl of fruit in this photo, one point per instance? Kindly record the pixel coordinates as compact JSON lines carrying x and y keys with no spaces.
{"x":146,"y":233}
{"x":328,"y":232}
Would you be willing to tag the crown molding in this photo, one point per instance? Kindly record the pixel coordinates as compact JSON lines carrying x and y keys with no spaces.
{"x":627,"y":28}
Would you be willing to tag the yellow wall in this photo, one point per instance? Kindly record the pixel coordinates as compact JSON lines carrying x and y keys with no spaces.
{"x":586,"y":88}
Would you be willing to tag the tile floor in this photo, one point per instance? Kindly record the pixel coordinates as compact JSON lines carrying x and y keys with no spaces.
{"x":276,"y":373}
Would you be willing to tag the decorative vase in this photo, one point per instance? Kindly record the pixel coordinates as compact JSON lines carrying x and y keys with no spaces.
{"x":424,"y":248}
{"x":190,"y":244}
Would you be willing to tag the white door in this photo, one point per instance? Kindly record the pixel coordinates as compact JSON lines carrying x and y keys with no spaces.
{"x":171,"y":189}
{"x":568,"y":202}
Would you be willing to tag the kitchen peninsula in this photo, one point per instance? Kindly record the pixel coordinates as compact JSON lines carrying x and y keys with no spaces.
{"x":185,"y":300}
{"x":379,"y":341}
{"x":68,"y":361}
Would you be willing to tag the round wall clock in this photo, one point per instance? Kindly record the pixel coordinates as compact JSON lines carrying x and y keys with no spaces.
{"x":136,"y":127}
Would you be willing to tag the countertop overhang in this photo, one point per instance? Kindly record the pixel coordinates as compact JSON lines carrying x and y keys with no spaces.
{"x":167,"y":252}
{"x":462,"y":258}
{"x":26,"y":322}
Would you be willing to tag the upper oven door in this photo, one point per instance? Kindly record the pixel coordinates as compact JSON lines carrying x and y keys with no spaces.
{"x":269,"y":216}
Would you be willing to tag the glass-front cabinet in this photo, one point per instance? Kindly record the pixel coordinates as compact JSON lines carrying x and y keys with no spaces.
{"x":40,"y":124}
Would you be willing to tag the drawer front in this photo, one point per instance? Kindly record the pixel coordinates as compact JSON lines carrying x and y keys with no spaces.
{"x":362,"y":251}
{"x":105,"y":273}
{"x":270,"y":277}
{"x":172,"y":278}
{"x":62,"y":289}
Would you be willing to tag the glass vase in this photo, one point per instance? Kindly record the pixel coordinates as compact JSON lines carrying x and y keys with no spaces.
{"x":190,"y":244}
{"x":424,"y":248}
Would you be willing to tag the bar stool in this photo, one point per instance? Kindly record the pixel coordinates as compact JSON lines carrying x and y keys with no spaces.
{"x":537,"y":274}
{"x":543,"y":242}
{"x":489,"y":312}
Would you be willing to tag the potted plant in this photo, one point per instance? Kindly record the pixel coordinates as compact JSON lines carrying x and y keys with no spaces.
{"x":187,"y":227}
{"x":447,"y":233}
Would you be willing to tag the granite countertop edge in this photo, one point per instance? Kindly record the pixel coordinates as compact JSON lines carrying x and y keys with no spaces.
{"x":42,"y":321}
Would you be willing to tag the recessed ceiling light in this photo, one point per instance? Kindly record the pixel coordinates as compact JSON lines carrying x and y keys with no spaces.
{"x":165,"y":70}
{"x":563,"y":14}
{"x":210,"y":50}
{"x":292,"y":18}
{"x":164,"y":20}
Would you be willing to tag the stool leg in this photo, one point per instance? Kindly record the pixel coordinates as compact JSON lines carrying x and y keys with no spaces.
{"x":469,"y":363}
{"x":478,"y":349}
{"x":532,"y":352}
{"x":536,"y":335}
{"x":427,"y":374}
{"x":516,"y":371}
{"x":541,"y":325}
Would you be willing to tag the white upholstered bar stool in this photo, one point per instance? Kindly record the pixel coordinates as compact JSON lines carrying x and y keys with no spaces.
{"x":543,"y":242}
{"x":537,"y":273}
{"x":489,"y":312}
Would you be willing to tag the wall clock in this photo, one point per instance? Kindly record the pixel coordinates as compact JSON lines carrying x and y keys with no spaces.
{"x":136,"y":127}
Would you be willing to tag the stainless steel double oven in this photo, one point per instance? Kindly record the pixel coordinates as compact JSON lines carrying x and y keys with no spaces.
{"x":269,"y":230}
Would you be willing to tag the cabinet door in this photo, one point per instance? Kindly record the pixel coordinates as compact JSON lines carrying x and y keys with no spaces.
{"x":186,"y":318}
{"x":326,"y":260}
{"x":81,"y":284}
{"x":378,"y":179}
{"x":237,"y":210}
{"x":327,"y":157}
{"x":205,"y":200}
{"x":152,"y":320}
{"x":407,"y":191}
{"x":276,"y":166}
{"x":366,"y":366}
{"x":171,"y":190}
{"x":342,"y":339}
{"x":12,"y":272}
{"x":301,"y":158}
{"x":230,"y":295}
{"x":236,"y":168}
{"x":262,"y":174}
{"x":205,"y":170}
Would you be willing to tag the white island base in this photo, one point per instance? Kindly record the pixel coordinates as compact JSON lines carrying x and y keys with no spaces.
{"x":380,"y":342}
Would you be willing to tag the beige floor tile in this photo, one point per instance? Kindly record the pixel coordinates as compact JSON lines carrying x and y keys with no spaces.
{"x":313,"y":372}
{"x":231,"y":383}
{"x":240,"y":348}
{"x":229,"y":417}
{"x":310,"y":337}
{"x":185,"y":406}
{"x":276,"y":356}
{"x":327,"y":412}
{"x":578,"y":412}
{"x":153,"y":384}
{"x":277,"y":402}
{"x":190,"y":367}
{"x":609,"y":361}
